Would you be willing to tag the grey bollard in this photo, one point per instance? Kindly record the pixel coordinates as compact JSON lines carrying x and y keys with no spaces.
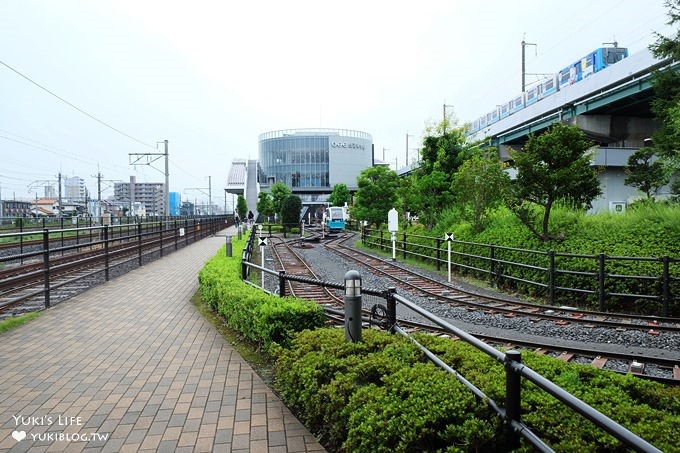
{"x":229,"y":246}
{"x":352,"y":301}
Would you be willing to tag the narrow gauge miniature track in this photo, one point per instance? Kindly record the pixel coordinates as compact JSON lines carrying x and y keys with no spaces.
{"x":442,"y":291}
{"x":659,"y":369}
{"x":22,"y":288}
{"x":290,"y":262}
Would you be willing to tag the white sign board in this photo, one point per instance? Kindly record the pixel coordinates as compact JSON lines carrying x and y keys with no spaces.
{"x":393,"y":221}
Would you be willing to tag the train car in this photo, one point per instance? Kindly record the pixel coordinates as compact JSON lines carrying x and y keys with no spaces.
{"x":547,"y":87}
{"x":517,"y":103}
{"x":335,"y":219}
{"x":591,"y":63}
{"x":531,"y":95}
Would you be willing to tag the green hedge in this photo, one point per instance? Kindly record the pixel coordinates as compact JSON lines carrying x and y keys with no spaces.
{"x":260,"y":317}
{"x":382,"y":395}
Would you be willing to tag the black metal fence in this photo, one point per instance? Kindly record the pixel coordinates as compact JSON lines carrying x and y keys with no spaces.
{"x":35,"y":253}
{"x":649,"y":285}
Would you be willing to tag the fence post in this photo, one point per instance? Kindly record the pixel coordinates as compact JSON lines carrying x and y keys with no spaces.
{"x":282,"y":283}
{"x":382,"y":244}
{"x":160,"y":236}
{"x":551,"y":277}
{"x":391,"y":309}
{"x":439,"y":254}
{"x":403,"y":245}
{"x":513,"y":398}
{"x":46,"y":265}
{"x":492,"y":261}
{"x":139,"y":243}
{"x":106,"y":253}
{"x":666,"y":286}
{"x":600,"y":280}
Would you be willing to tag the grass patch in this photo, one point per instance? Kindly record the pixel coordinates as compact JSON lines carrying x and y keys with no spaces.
{"x":16,"y":321}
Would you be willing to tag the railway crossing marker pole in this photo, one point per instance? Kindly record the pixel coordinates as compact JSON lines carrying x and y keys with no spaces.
{"x":263,"y":243}
{"x":352,"y":301}
{"x":393,"y":226}
{"x":449,"y":238}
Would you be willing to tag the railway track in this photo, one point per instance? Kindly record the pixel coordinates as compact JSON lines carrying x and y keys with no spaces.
{"x":665,"y":369}
{"x":73,"y":268}
{"x":292,"y":264}
{"x":410,"y":280}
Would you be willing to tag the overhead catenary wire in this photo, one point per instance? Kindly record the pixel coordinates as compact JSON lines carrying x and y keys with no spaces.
{"x":89,"y":115}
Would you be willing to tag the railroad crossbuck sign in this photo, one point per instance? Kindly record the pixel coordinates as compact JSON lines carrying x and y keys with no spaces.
{"x":449,"y":238}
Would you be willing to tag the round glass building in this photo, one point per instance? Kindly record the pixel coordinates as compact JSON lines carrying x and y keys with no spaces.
{"x":312,"y":161}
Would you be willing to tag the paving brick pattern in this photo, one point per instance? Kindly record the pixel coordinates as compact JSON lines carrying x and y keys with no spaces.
{"x":134,"y":361}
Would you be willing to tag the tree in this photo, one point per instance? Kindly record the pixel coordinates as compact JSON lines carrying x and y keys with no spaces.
{"x":340,"y":195}
{"x":265,"y":205}
{"x":241,"y":207}
{"x":444,"y":151}
{"x":480,"y":185}
{"x":645,"y":171}
{"x":667,"y":98}
{"x":407,"y":196}
{"x":376,"y":194}
{"x":290,"y":212}
{"x":553,"y":166}
{"x":434,"y":194}
{"x":279,"y":192}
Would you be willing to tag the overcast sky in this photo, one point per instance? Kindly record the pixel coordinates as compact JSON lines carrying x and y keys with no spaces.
{"x":118,"y":77}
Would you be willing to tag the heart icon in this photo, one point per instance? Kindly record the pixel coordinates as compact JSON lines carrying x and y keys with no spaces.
{"x":19,"y":435}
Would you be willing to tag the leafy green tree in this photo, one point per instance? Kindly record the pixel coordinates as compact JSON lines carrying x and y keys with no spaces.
{"x":265,"y":204}
{"x":645,"y":171}
{"x":480,"y":185}
{"x":279,"y":191}
{"x":407,"y":196}
{"x":551,"y":167}
{"x":241,"y":207}
{"x":444,"y":151}
{"x":340,"y":195}
{"x":434,"y":195}
{"x":666,"y":102}
{"x":376,"y":195}
{"x":290,"y":212}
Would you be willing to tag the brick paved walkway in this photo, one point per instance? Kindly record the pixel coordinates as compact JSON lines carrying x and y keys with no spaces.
{"x":132,"y":360}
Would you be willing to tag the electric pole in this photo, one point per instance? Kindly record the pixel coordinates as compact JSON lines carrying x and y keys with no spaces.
{"x":59,"y":209}
{"x":524,"y":44}
{"x":148,"y":159}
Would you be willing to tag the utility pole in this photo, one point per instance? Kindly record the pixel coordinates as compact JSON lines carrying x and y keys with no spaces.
{"x":407,"y":136}
{"x":59,"y":210}
{"x":524,"y":44}
{"x":99,"y":193}
{"x":445,"y":119}
{"x":148,"y":159}
{"x":210,"y":195}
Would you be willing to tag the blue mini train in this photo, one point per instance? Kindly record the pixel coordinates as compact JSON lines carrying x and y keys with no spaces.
{"x":335,"y":218}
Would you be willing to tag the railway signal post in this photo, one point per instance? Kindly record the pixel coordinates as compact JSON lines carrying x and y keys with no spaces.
{"x":393,"y":227}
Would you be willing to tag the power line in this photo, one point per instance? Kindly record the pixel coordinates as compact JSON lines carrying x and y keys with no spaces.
{"x":74,"y":106}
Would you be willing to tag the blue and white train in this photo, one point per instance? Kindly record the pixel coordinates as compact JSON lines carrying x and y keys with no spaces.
{"x":595,"y":61}
{"x":335,"y":218}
